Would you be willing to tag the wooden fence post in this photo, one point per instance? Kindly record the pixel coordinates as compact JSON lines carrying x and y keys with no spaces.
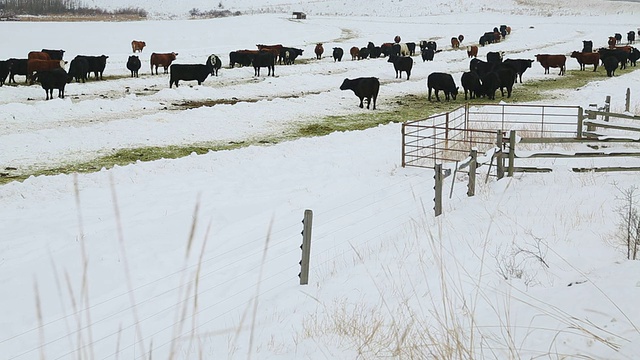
{"x":607,"y":107}
{"x":512,"y":152}
{"x":471,"y":186}
{"x":306,"y":247}
{"x":499,"y":157}
{"x":438,"y":189}
{"x":580,"y":122}
{"x":403,"y":145}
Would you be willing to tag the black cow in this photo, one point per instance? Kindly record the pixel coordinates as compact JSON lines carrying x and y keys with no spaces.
{"x":431,"y":45}
{"x":190,"y":72}
{"x":215,"y":62}
{"x":51,"y":79}
{"x":375,"y":52}
{"x":337,"y":54}
{"x":78,"y":69}
{"x":18,"y":67}
{"x":631,"y":37}
{"x":503,"y":30}
{"x":471,"y":83}
{"x":587,"y":46}
{"x":412,"y":48}
{"x":400,"y":64}
{"x":480,"y":67}
{"x":289,"y":55}
{"x":395,"y":50}
{"x":634,"y":56}
{"x":621,"y":55}
{"x":240,"y":57}
{"x":364,"y":87}
{"x":264,"y":59}
{"x":610,"y":64}
{"x":519,"y":66}
{"x":507,"y":77}
{"x":427,"y":55}
{"x":488,"y":38}
{"x":133,"y":64}
{"x":490,"y":83}
{"x":363,"y":53}
{"x":54,"y":54}
{"x":441,"y":81}
{"x":618,"y":37}
{"x":96,"y":65}
{"x":494,"y":57}
{"x":5,"y":69}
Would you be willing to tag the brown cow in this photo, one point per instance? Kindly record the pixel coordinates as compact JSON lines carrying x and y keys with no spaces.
{"x":611,"y":42}
{"x":355,"y":52}
{"x":588,"y":58}
{"x":138,"y":45}
{"x":163,"y":60}
{"x":455,"y":43}
{"x":38,"y":55}
{"x":554,"y":61}
{"x":319,"y":50}
{"x":34,"y":65}
{"x":472,"y":51}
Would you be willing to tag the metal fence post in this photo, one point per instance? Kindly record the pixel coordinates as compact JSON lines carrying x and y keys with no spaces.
{"x":627,"y":103}
{"x":438,"y":189}
{"x":306,"y":247}
{"x":499,"y":157}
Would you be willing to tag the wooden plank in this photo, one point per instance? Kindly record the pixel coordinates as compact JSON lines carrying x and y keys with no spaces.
{"x":531,"y":169}
{"x":612,"y":126}
{"x":608,"y":168}
{"x":579,"y":155}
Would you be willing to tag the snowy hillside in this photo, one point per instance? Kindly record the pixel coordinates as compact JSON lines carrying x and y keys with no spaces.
{"x":404,"y":8}
{"x":198,"y":257}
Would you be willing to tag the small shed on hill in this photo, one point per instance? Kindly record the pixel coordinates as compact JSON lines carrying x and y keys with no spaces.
{"x":299,"y":15}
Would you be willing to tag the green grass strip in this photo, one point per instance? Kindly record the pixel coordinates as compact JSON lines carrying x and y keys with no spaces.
{"x":400,"y":109}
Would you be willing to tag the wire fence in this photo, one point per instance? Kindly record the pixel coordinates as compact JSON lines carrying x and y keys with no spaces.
{"x":450,"y":136}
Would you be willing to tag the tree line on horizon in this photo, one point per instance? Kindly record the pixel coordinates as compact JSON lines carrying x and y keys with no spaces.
{"x":60,"y":7}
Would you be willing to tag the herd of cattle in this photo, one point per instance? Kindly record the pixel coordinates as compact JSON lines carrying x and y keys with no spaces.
{"x":483,"y":79}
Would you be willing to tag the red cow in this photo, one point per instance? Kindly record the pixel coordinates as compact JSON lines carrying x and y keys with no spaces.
{"x":588,"y":58}
{"x":355,"y":52}
{"x":554,"y":61}
{"x":319,"y":50}
{"x":38,"y":55}
{"x":34,"y":65}
{"x":163,"y":60}
{"x":611,"y":41}
{"x":455,"y":43}
{"x":472,"y":51}
{"x":138,"y":45}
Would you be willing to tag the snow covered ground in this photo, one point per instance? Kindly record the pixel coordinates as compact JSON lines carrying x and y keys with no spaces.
{"x":103,"y":265}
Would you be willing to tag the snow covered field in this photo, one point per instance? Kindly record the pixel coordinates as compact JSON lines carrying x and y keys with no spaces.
{"x":103,"y":265}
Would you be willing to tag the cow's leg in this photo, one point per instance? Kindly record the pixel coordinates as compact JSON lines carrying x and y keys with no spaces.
{"x":361,"y":98}
{"x":375,"y":97}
